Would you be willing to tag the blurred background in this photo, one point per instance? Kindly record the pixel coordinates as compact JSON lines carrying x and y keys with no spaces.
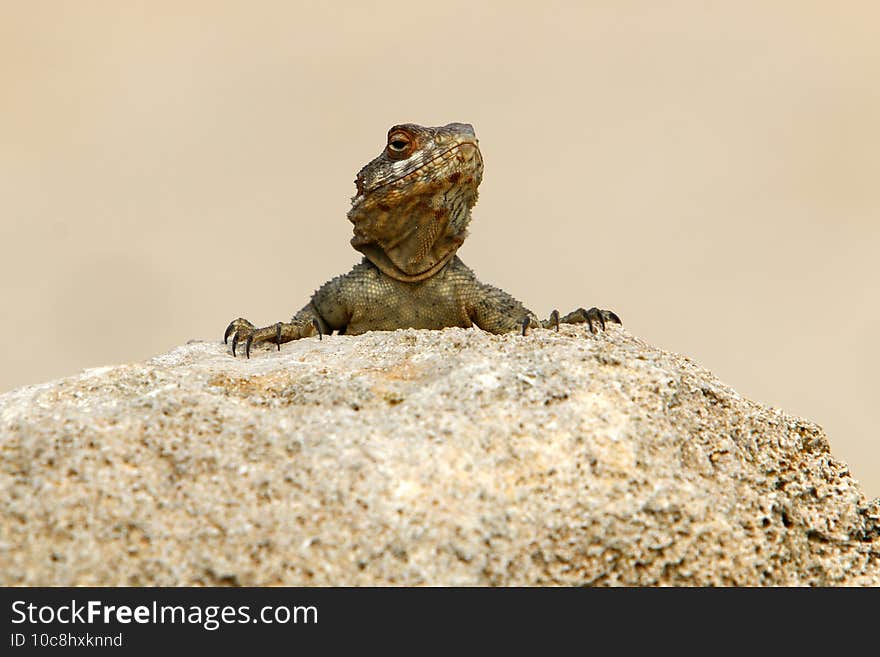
{"x":708,"y":170}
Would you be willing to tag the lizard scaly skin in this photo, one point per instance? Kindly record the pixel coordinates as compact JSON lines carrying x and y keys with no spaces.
{"x":410,"y":216}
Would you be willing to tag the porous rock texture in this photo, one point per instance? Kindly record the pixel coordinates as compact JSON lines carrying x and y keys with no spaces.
{"x":449,"y":457}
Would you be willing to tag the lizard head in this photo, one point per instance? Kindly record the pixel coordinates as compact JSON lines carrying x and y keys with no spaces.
{"x":413,"y":202}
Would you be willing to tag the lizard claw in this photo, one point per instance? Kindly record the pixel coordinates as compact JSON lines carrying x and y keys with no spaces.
{"x":242,"y":331}
{"x":594,"y":317}
{"x":236,"y":326}
{"x":593,"y":314}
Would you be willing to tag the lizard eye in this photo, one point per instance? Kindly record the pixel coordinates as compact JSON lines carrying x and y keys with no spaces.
{"x":399,"y":145}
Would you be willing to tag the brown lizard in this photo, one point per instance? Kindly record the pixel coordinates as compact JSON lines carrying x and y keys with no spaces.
{"x":410,"y":214}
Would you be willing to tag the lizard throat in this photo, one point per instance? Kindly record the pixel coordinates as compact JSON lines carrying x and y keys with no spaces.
{"x":419,"y":240}
{"x":377,"y":256}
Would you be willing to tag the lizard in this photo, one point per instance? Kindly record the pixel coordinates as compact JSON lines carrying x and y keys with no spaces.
{"x":410,"y":213}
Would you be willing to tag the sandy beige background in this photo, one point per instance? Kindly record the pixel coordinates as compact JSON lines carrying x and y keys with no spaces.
{"x":708,"y":170}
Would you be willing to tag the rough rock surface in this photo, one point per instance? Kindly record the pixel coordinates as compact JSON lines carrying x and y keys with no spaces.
{"x":422,"y":457}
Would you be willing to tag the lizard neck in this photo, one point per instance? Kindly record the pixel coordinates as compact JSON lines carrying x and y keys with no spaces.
{"x":423,"y":236}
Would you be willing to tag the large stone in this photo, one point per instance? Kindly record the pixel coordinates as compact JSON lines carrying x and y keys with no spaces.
{"x":422,"y":457}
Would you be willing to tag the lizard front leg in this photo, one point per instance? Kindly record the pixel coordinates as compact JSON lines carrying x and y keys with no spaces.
{"x":306,"y":323}
{"x":328,"y":310}
{"x":496,"y":311}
